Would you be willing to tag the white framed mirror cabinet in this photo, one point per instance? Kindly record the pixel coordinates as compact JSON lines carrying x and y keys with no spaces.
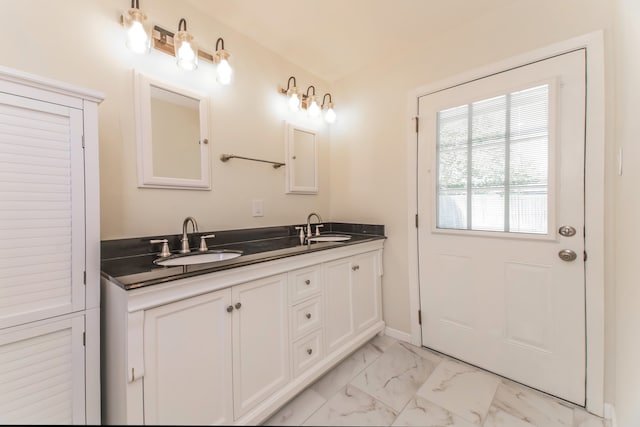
{"x":172,"y":135}
{"x":301,"y":145}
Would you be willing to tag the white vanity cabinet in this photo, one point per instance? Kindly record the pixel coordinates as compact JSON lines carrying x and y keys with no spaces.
{"x":233,"y":346}
{"x":49,"y":252}
{"x":352,"y":297}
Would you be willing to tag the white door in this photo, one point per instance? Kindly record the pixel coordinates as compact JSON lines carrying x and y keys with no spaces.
{"x":260,"y":341}
{"x":42,"y":227}
{"x":501,"y":173}
{"x":187,"y":351}
{"x":42,"y":375}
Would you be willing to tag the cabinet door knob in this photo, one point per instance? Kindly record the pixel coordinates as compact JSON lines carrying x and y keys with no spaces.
{"x":307,"y":282}
{"x":238,"y":305}
{"x":355,"y":267}
{"x":229,"y":309}
{"x":309,"y":351}
{"x":308,"y":315}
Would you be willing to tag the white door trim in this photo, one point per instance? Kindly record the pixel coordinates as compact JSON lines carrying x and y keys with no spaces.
{"x":594,"y":195}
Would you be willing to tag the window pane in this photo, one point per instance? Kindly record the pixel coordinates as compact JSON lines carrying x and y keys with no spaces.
{"x":529,"y":160}
{"x":498,"y":146}
{"x":452,"y":177}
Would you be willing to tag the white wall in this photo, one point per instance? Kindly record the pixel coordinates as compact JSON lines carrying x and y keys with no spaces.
{"x":368,"y":144}
{"x":81,"y":42}
{"x":627,"y":209}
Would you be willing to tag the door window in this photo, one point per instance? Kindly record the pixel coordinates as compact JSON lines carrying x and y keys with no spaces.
{"x":493,"y":163}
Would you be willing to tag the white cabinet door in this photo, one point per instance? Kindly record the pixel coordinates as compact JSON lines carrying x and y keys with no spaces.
{"x":338,"y":291}
{"x":42,"y":373}
{"x":260,"y":341}
{"x":366,"y":292}
{"x":42,"y":227}
{"x":187,"y":350}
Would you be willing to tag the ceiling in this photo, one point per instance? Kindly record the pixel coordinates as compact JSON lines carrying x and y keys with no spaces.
{"x":334,"y":38}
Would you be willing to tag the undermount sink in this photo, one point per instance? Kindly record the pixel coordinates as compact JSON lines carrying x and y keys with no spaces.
{"x":198,"y":258}
{"x":329,"y":238}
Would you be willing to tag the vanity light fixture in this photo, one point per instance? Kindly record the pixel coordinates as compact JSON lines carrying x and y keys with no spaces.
{"x":292,"y":94}
{"x":223,"y":69}
{"x":138,"y":30}
{"x":186,"y":50}
{"x":329,"y":115}
{"x":310,"y":103}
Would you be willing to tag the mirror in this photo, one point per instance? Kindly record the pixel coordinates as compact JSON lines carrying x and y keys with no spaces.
{"x":172,"y":136}
{"x":301,"y":160}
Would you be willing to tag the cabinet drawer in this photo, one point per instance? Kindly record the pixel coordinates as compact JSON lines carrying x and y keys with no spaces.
{"x":304,"y":283}
{"x":307,"y":352}
{"x":306,"y":316}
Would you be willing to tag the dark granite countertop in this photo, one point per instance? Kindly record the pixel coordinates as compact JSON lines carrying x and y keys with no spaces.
{"x":129,"y":262}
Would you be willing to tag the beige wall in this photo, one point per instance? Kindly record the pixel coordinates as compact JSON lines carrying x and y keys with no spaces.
{"x":81,"y":42}
{"x":369,"y":143}
{"x":627,"y":212}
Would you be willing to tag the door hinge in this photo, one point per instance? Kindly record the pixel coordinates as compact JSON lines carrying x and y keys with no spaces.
{"x":82,"y":141}
{"x":417,"y":121}
{"x":84,"y":277}
{"x":419,"y":317}
{"x":585,"y":256}
{"x":84,"y":339}
{"x":416,"y":220}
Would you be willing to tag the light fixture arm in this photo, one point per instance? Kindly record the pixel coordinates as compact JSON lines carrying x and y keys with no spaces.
{"x":314,"y":91}
{"x":324,"y":97}
{"x":182,"y":21}
{"x":135,"y":4}
{"x":219,"y":41}
{"x":289,"y":82}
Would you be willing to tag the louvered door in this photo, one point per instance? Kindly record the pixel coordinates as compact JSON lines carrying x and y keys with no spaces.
{"x":42,"y":373}
{"x":42,"y":253}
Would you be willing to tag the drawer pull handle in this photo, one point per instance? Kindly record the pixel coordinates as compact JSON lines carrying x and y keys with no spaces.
{"x":309,"y":351}
{"x":307,"y":282}
{"x":229,"y":309}
{"x":308,"y":315}
{"x":238,"y":305}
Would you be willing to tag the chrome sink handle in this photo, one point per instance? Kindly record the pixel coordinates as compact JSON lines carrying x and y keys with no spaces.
{"x":164,"y":252}
{"x":203,"y":242}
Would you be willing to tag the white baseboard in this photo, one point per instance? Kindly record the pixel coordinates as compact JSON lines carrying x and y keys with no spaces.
{"x":399,"y":335}
{"x":610,"y":414}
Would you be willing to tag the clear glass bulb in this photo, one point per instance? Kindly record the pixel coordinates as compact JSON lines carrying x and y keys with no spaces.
{"x":137,"y":38}
{"x":138,"y":32}
{"x":330,"y":115}
{"x":187,"y":57}
{"x":294,"y":102}
{"x":314,"y":109}
{"x":224,"y":72}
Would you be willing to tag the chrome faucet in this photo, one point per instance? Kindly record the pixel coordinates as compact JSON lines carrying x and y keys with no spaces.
{"x":309,"y":233}
{"x":185,"y":238}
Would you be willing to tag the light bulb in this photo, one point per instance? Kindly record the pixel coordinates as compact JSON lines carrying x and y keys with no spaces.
{"x":224,"y":72}
{"x":314,"y":109}
{"x":138,"y":39}
{"x":330,"y":115}
{"x":294,"y":102}
{"x":187,"y":57}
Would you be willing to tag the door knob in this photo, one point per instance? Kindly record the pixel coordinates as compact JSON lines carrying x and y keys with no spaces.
{"x":238,"y":305}
{"x":567,"y":255}
{"x":567,"y":231}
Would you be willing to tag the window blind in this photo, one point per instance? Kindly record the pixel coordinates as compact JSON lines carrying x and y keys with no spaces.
{"x":492,"y":163}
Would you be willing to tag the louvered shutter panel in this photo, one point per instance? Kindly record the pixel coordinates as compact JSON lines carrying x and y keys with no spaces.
{"x":42,"y":374}
{"x":41,"y":210}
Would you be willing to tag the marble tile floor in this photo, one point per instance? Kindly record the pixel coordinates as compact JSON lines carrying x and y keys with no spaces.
{"x":391,"y":383}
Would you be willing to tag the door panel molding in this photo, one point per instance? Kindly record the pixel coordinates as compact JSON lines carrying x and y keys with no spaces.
{"x":594,"y":195}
